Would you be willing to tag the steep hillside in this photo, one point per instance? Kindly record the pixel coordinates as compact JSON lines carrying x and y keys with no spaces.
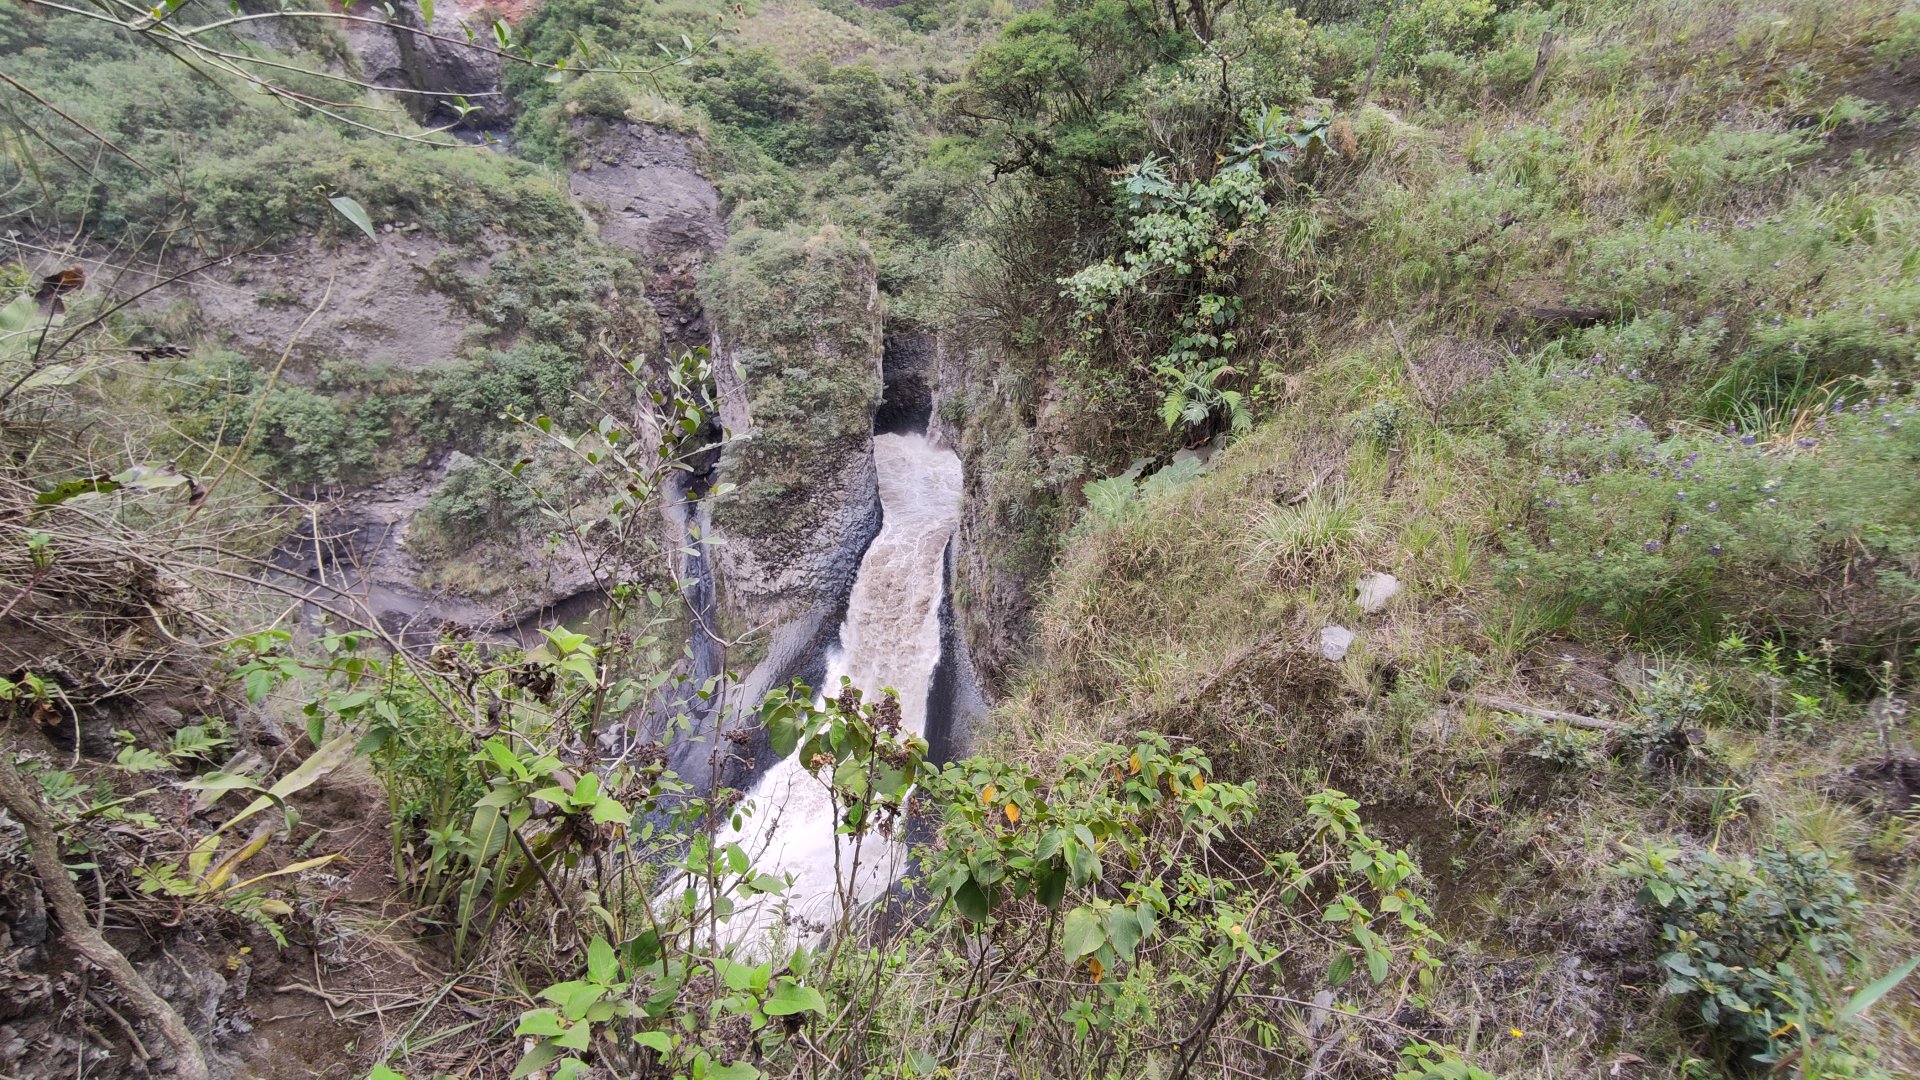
{"x":1592,"y":326}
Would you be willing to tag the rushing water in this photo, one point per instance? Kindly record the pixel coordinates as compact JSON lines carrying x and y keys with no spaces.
{"x":891,"y":638}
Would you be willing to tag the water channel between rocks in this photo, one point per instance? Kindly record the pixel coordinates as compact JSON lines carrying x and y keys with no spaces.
{"x":890,"y":638}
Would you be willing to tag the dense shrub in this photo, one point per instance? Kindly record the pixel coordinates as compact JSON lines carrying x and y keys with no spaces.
{"x":472,"y":394}
{"x":1623,"y":514}
{"x":308,"y":438}
{"x":567,"y":295}
{"x":474,"y":499}
{"x":1750,"y":943}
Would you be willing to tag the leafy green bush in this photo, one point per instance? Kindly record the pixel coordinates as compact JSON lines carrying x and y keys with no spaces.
{"x":1120,"y":499}
{"x":856,"y":106}
{"x":1751,"y":944}
{"x":308,"y":438}
{"x":1181,"y":267}
{"x":1730,"y":164}
{"x":470,"y":396}
{"x":568,"y":295}
{"x":598,"y":97}
{"x":1433,"y":26}
{"x":474,"y":500}
{"x":1622,"y":515}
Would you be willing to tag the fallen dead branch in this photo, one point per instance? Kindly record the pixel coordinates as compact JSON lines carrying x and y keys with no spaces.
{"x":1500,"y":704}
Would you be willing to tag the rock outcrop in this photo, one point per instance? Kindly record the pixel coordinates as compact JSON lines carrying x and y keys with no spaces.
{"x":380,"y":302}
{"x":997,"y":575}
{"x":797,"y":321}
{"x":906,"y":402}
{"x":437,"y":58}
{"x":648,"y":190}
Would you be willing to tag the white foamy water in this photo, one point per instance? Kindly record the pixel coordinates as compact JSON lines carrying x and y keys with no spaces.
{"x":891,"y":638}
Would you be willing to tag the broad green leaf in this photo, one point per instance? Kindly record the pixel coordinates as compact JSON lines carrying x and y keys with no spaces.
{"x":1341,"y":969}
{"x":293,"y":868}
{"x":658,"y":1041}
{"x":1377,"y":964}
{"x":351,"y":209}
{"x":602,"y":965}
{"x":577,"y":1037}
{"x":1123,"y":928}
{"x":1082,"y":934}
{"x":736,"y":976}
{"x":790,"y":997}
{"x":540,"y":1022}
{"x":59,"y":493}
{"x":1052,"y":887}
{"x":214,"y":785}
{"x":971,"y":899}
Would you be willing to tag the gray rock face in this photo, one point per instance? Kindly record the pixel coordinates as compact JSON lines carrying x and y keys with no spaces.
{"x":649,"y":192}
{"x":408,"y":53}
{"x":379,"y":306}
{"x":803,"y":572}
{"x":360,"y":551}
{"x":906,"y":403}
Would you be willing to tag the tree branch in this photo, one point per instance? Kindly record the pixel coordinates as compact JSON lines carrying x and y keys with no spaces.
{"x":71,"y":912}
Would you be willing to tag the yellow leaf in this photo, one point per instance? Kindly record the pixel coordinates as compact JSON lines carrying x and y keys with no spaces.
{"x":987,"y":793}
{"x":303,"y":865}
{"x":202,"y":855}
{"x":1199,"y":782}
{"x":219,"y":875}
{"x":1095,"y":968}
{"x":1133,"y":763}
{"x":1013,"y":813}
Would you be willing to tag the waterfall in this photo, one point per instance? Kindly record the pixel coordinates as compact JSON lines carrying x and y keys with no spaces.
{"x":890,"y":638}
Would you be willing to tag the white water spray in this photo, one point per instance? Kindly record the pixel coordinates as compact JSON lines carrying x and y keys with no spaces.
{"x":891,"y":638}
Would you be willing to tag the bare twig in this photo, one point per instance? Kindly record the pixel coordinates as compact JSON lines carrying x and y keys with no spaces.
{"x":1379,"y":44}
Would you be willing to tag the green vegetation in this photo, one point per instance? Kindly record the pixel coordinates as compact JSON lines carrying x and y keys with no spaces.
{"x":1604,"y":347}
{"x":1592,"y":323}
{"x":198,"y":165}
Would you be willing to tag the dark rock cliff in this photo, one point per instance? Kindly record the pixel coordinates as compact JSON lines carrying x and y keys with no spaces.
{"x":435,"y":58}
